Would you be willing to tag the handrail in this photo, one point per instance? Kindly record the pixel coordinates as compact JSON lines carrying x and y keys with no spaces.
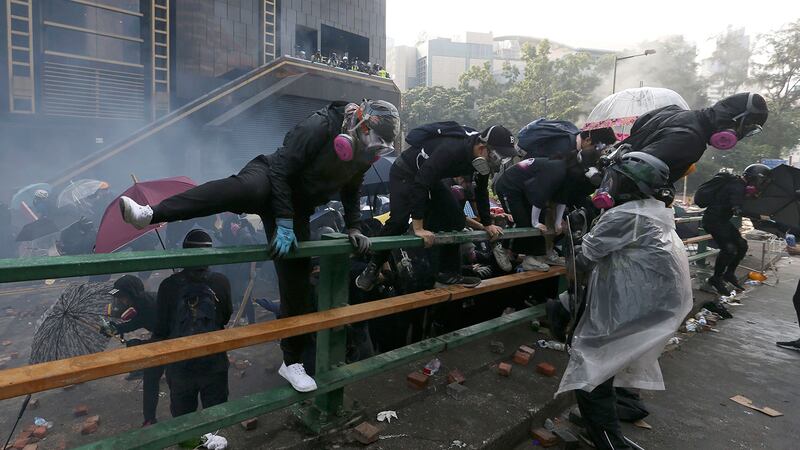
{"x":37,"y":268}
{"x":39,"y":377}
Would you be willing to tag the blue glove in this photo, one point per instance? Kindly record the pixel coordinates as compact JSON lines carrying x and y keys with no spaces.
{"x":284,"y":238}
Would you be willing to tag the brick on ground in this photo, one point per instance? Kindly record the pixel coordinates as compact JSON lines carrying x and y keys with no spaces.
{"x":504,"y":369}
{"x":366,"y":433}
{"x":522,"y":358}
{"x":417,"y":380}
{"x":546,"y":369}
{"x":545,"y":438}
{"x":80,"y":410}
{"x":250,"y":424}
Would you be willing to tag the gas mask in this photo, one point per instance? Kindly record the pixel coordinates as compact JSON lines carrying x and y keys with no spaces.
{"x":486,"y":165}
{"x":357,"y":134}
{"x":728,"y":138}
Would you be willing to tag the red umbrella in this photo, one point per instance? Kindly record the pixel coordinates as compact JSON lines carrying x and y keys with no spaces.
{"x":114,"y":233}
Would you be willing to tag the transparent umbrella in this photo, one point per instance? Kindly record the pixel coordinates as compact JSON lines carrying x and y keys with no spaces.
{"x":620,"y":110}
{"x":77,"y":191}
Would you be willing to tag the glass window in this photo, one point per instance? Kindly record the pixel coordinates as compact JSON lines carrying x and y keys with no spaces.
{"x":84,"y":16}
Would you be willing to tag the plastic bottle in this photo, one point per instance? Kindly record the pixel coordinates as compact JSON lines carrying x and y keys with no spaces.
{"x":552,"y":345}
{"x":791,"y":241}
{"x":432,"y":367}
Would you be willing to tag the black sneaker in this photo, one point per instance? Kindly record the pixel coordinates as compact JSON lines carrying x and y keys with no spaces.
{"x":791,"y":345}
{"x":558,"y":317}
{"x":366,"y":281}
{"x":731,"y":278}
{"x":444,"y":280}
{"x":718,"y":308}
{"x":718,"y":286}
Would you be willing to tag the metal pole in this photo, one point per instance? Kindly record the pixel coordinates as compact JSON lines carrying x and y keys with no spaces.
{"x":614,"y":81}
{"x":685,"y":198}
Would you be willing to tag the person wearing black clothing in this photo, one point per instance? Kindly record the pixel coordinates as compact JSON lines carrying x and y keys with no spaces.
{"x":727,"y":202}
{"x":237,"y":231}
{"x":417,"y":191}
{"x":528,"y":187}
{"x":324,"y":156}
{"x":206,"y":376}
{"x":137,"y":308}
{"x":680,"y":137}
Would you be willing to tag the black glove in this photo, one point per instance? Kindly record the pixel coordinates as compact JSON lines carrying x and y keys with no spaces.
{"x":359,"y":241}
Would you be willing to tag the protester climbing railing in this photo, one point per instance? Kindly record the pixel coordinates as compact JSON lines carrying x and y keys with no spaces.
{"x":333,"y":312}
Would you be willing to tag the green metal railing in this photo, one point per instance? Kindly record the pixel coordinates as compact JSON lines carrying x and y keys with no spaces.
{"x":332,"y":374}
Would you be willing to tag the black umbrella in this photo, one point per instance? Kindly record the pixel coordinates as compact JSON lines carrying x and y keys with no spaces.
{"x":376,"y":180}
{"x":37,"y":229}
{"x":779,"y":198}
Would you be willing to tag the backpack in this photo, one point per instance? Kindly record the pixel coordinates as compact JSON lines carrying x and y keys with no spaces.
{"x":543,"y":138}
{"x":418,"y":136}
{"x":707,"y":192}
{"x":196,"y":310}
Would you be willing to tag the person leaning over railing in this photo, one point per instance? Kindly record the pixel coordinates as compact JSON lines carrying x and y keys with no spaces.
{"x":323,"y":156}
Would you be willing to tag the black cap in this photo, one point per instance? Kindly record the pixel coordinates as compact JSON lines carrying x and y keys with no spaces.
{"x":499,"y":139}
{"x":197,"y":238}
{"x":129,"y":285}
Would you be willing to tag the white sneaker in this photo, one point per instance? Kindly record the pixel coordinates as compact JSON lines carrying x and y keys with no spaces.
{"x":501,"y":256}
{"x":296,"y":375}
{"x":532,"y":263}
{"x":555,"y":260}
{"x":135,"y":214}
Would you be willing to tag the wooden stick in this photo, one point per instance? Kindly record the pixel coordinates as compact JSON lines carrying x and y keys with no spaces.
{"x":247,"y":292}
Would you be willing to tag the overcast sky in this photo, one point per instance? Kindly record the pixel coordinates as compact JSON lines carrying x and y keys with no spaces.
{"x":612,"y":25}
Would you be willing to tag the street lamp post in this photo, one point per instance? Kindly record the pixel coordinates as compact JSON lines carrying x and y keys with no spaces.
{"x":617,"y":59}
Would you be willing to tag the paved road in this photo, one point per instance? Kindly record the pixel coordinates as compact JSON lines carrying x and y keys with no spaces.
{"x":707,"y":369}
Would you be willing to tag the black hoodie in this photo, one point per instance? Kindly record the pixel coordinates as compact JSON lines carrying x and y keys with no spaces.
{"x":679,"y":137}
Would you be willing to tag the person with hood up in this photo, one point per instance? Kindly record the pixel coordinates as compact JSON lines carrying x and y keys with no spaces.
{"x":679,"y":137}
{"x":726,"y":194}
{"x":323,"y":156}
{"x":438,"y":151}
{"x":530,"y":186}
{"x":639,"y":292}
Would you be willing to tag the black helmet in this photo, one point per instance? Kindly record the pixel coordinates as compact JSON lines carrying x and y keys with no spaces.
{"x":755,"y":174}
{"x":645,"y":170}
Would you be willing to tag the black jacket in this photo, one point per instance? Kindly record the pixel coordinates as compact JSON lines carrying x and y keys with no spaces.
{"x":542,"y":180}
{"x":727,"y":197}
{"x":679,"y":137}
{"x":306,"y":171}
{"x":446,"y":157}
{"x":170,"y":290}
{"x":146,"y":315}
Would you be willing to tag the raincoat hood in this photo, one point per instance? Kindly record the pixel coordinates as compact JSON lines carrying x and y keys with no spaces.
{"x":722,"y":113}
{"x":638,"y":294}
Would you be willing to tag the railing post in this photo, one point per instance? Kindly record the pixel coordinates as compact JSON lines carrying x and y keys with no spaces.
{"x":332,"y":292}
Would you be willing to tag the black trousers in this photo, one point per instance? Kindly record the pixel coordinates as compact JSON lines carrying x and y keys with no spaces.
{"x":599,"y":413}
{"x":186,"y":387}
{"x":518,"y":206}
{"x":150,"y":389}
{"x":249,"y":192}
{"x":796,"y":301}
{"x":732,"y":246}
{"x":444,"y":214}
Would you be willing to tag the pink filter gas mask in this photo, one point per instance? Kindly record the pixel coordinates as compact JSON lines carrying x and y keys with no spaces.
{"x":602,"y":200}
{"x":723,"y":140}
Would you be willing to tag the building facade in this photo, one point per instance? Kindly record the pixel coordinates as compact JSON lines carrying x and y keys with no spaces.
{"x":80,"y":74}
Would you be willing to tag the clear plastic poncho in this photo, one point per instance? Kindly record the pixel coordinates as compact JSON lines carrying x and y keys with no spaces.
{"x":639,"y":293}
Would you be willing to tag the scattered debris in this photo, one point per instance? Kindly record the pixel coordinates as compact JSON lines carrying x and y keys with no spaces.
{"x":744,"y":401}
{"x":432,"y":367}
{"x":417,"y":380}
{"x":497,"y":347}
{"x":526,"y":349}
{"x":80,"y":410}
{"x":552,"y":345}
{"x":241,"y":365}
{"x":545,"y":438}
{"x":366,"y":433}
{"x":642,"y":424}
{"x":458,"y":444}
{"x":387,"y":416}
{"x":674,"y":340}
{"x":455,"y":376}
{"x":504,"y":369}
{"x":546,"y":369}
{"x":392,"y":436}
{"x":250,"y":424}
{"x":457,"y":391}
{"x":213,"y":441}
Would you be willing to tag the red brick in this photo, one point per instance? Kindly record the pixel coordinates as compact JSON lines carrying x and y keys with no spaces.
{"x":545,"y":438}
{"x":39,"y":432}
{"x":89,"y":427}
{"x":250,"y":424}
{"x":80,"y":410}
{"x":455,"y":376}
{"x":366,"y":433}
{"x":25,"y":434}
{"x":526,"y":349}
{"x":31,"y":447}
{"x":546,"y":369}
{"x":19,"y":444}
{"x":522,"y":358}
{"x":95,"y":419}
{"x":504,"y":369}
{"x":417,"y":380}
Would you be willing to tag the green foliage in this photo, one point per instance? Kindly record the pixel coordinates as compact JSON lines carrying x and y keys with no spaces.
{"x":674,"y":66}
